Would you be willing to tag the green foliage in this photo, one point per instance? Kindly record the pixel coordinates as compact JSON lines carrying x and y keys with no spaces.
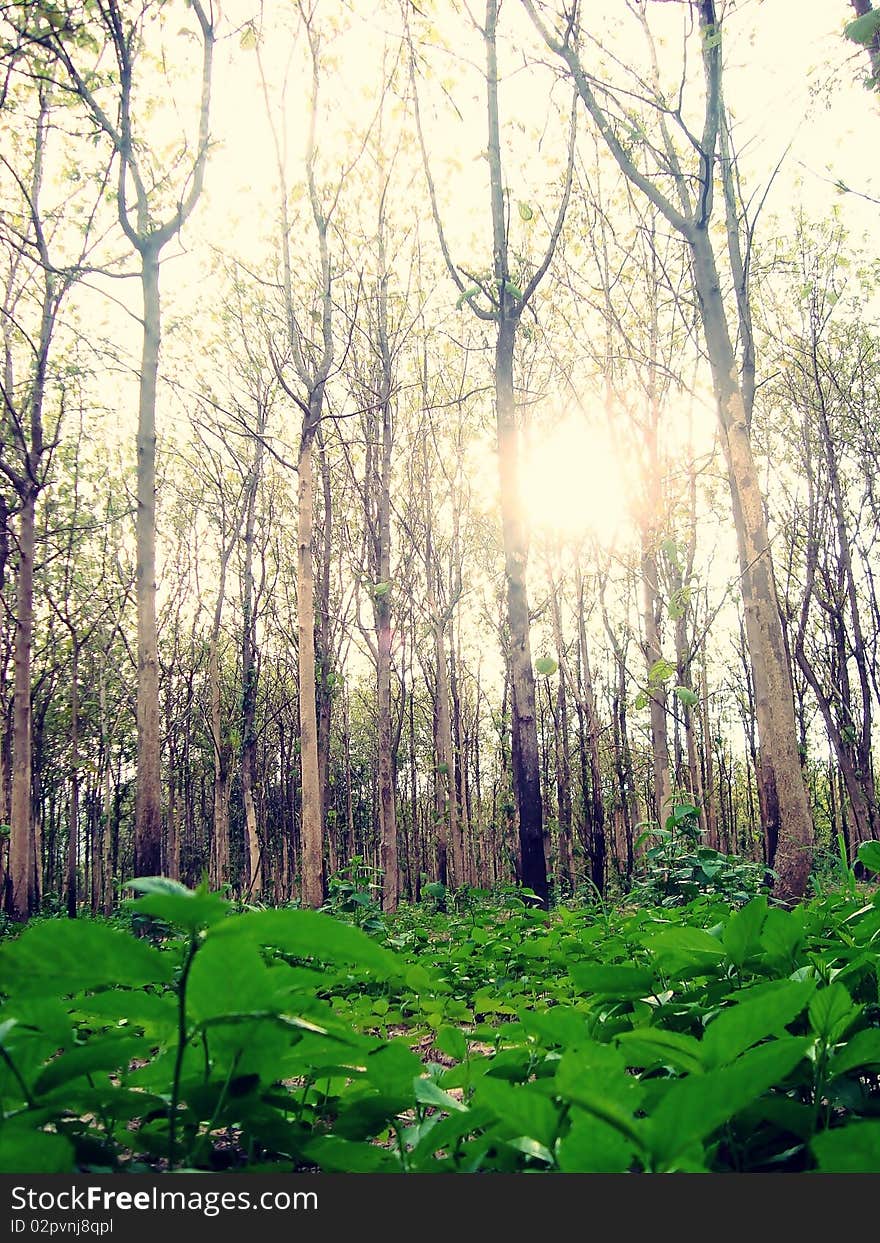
{"x":492,"y":1037}
{"x":353,"y":894}
{"x":677,"y":869}
{"x":863,"y":29}
{"x":869,"y":855}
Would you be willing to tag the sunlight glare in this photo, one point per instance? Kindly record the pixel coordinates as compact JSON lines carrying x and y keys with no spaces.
{"x":572,"y":483}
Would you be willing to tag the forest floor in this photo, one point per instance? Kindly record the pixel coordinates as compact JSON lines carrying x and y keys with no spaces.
{"x":492,"y":1036}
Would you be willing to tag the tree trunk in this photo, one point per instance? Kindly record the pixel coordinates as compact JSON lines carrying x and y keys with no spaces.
{"x":148,"y":798}
{"x":323,"y":653}
{"x":656,"y":688}
{"x":311,"y":823}
{"x":73,"y":819}
{"x":382,"y":617}
{"x":527,"y":779}
{"x":22,"y":848}
{"x":222,"y":757}
{"x":253,"y":860}
{"x":784,"y":795}
{"x":445,"y":760}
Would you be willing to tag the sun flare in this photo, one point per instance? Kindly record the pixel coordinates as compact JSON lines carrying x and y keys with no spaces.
{"x":573,"y":484}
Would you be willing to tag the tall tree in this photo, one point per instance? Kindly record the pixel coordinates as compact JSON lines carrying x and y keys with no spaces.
{"x":114,"y":110}
{"x":689,"y":211}
{"x":304,"y":363}
{"x":37,"y":278}
{"x":506,"y":305}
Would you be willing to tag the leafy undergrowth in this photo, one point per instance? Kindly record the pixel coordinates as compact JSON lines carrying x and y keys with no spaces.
{"x":496,"y":1038}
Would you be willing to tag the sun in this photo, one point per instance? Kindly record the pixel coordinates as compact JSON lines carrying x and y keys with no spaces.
{"x":572,"y":482}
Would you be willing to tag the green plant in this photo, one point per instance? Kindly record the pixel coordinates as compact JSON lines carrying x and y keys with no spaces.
{"x":678,"y":1038}
{"x":677,"y":868}
{"x":353,"y":894}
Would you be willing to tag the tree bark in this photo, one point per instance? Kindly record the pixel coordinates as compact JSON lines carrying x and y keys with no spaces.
{"x":148,"y":797}
{"x":527,"y":779}
{"x":22,"y":861}
{"x":249,"y":677}
{"x":311,"y":827}
{"x":785,"y":806}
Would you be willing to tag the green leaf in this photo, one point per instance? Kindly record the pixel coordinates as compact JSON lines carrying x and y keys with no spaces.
{"x":745,"y":1023}
{"x":531,"y":1148}
{"x":864,"y":28}
{"x":831,"y":1012}
{"x":686,"y":696}
{"x":677,"y":948}
{"x":525,"y":1110}
{"x":465,"y":296}
{"x":427,"y":1093}
{"x":157,"y":1015}
{"x":546,"y":666}
{"x":593,"y":1147}
{"x":596,"y":1078}
{"x":452,"y":1042}
{"x":741,"y":937}
{"x":559,"y":1027}
{"x":782,"y":936}
{"x":647,"y":1047}
{"x":105,"y":1053}
{"x":863,"y":1049}
{"x":312,"y":934}
{"x":393,"y":1068}
{"x":59,"y":957}
{"x":525,"y":212}
{"x":24,"y":1150}
{"x":869,"y":852}
{"x":172,"y":902}
{"x":229,"y":977}
{"x":364,"y":1114}
{"x":661,"y":671}
{"x":850,"y":1149}
{"x":615,"y":981}
{"x":443,"y":1132}
{"x":343,"y":1156}
{"x":695,"y":1106}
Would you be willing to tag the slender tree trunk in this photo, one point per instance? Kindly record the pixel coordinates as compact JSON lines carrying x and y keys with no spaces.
{"x":709,"y":804}
{"x":656,"y":686}
{"x":22,"y":846}
{"x":148,"y":799}
{"x":445,"y":761}
{"x":249,"y":685}
{"x":563,"y":783}
{"x":222,"y":758}
{"x":221,"y":746}
{"x":527,"y":783}
{"x":311,"y":830}
{"x":5,"y":766}
{"x":323,"y":654}
{"x":382,"y":609}
{"x":594,"y":805}
{"x":784,"y":794}
{"x":526,"y":764}
{"x":73,"y":819}
{"x":458,"y":823}
{"x":382,"y":613}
